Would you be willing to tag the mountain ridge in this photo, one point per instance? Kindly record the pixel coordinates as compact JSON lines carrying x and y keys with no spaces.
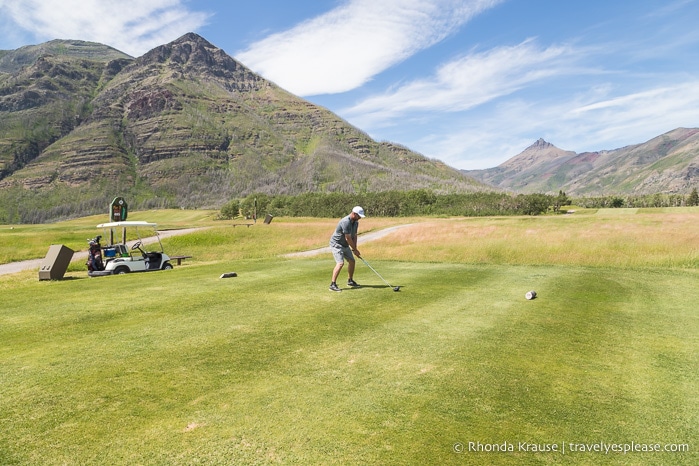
{"x":183,"y":125}
{"x":186,"y":125}
{"x":668,"y":163}
{"x":12,"y":61}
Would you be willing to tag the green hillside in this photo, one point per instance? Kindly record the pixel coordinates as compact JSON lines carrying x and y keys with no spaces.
{"x":184,"y":125}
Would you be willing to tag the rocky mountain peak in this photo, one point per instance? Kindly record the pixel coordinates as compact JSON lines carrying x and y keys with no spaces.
{"x":191,"y":54}
{"x":190,"y":47}
{"x":538,"y":153}
{"x":540,"y":144}
{"x":668,"y":163}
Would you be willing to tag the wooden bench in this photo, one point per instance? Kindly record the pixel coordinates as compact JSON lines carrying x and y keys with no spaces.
{"x":246,"y":224}
{"x":180,"y":258}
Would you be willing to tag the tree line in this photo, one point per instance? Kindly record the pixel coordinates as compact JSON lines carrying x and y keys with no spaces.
{"x":394,"y":204}
{"x":640,"y":201}
{"x":425,"y":202}
{"x":19,"y":206}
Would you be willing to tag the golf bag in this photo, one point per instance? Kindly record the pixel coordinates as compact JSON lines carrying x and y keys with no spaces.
{"x":94,"y":255}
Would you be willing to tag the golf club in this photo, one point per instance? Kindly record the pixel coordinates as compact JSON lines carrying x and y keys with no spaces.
{"x":395,"y":288}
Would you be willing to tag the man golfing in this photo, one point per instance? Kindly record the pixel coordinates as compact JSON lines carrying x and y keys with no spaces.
{"x":343,"y":243}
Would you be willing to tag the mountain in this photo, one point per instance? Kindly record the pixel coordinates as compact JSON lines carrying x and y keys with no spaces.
{"x":12,"y":61}
{"x":45,"y":93}
{"x":183,"y":125}
{"x":668,"y":163}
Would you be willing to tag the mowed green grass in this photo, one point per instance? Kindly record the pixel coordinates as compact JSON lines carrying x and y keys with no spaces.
{"x":269,"y":367}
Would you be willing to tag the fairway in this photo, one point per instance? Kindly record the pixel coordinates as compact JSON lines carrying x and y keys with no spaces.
{"x":269,"y":367}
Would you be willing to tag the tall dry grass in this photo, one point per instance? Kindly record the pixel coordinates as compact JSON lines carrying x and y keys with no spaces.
{"x":636,"y":240}
{"x":605,"y":238}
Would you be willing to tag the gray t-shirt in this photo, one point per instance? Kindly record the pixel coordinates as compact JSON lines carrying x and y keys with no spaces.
{"x":344,"y":227}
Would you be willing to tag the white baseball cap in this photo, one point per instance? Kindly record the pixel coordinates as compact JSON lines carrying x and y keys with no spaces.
{"x":359,"y":211}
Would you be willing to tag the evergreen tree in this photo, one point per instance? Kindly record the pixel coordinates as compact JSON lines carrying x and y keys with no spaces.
{"x":560,"y":201}
{"x":693,"y":198}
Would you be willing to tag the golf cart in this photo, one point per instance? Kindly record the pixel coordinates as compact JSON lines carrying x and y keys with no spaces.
{"x":119,"y":258}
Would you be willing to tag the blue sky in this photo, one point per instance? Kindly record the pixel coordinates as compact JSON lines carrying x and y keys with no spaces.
{"x":468,"y":82}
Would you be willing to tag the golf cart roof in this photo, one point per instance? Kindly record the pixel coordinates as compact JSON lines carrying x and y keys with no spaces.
{"x":126,"y":224}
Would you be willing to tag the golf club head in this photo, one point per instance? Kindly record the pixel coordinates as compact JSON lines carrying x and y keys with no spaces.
{"x":396,"y":288}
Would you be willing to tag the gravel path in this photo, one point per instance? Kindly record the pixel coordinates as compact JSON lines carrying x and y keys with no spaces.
{"x":35,"y":264}
{"x":14,"y":267}
{"x":374,"y":235}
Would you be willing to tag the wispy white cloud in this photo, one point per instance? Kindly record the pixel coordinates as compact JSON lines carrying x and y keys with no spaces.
{"x":484,"y":107}
{"x":596,"y":120}
{"x":474,"y":111}
{"x":629,"y":116}
{"x":132,"y":26}
{"x":344,"y":48}
{"x":593,"y":93}
{"x":468,"y":82}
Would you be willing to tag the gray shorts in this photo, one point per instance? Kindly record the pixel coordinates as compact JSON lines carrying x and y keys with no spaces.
{"x":342,"y":252}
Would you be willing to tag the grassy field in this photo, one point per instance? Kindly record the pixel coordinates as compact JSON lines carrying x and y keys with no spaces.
{"x":182,"y":367}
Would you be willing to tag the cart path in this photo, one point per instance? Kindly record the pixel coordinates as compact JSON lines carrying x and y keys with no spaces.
{"x":361,"y":239}
{"x":14,"y":267}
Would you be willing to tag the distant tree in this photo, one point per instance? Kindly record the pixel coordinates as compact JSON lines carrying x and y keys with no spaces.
{"x":255,"y":204}
{"x":560,"y":201}
{"x":617,"y":202}
{"x":230,"y":210}
{"x":693,"y":198}
{"x":419,"y":201}
{"x":533,"y":204}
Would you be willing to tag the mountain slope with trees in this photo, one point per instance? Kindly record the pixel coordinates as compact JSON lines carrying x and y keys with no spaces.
{"x":184,"y":125}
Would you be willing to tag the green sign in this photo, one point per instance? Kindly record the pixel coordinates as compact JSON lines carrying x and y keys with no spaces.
{"x":118,"y":210}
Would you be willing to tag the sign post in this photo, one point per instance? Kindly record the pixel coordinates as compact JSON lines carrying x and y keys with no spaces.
{"x":118,"y":210}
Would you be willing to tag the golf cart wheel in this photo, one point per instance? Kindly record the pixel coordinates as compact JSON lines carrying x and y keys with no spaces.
{"x":167,"y":266}
{"x":121,"y":270}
